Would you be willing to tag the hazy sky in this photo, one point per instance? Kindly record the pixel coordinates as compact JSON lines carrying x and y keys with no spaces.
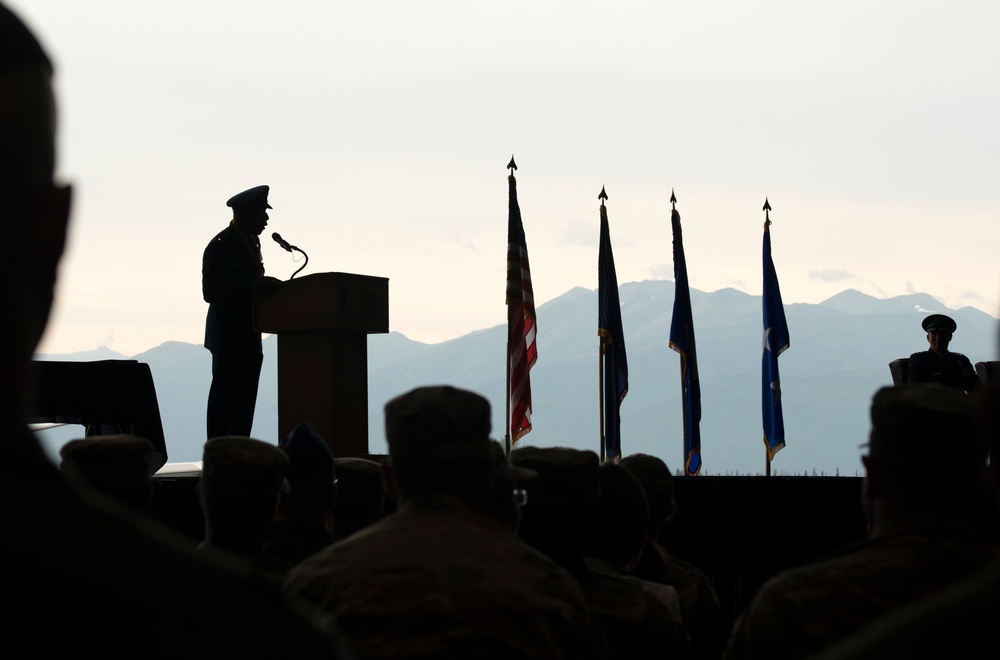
{"x":383,"y":129}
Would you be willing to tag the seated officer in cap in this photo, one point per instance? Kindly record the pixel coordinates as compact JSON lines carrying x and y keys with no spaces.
{"x":438,"y":578}
{"x":923,"y":495}
{"x":938,"y":364}
{"x":231,"y":267}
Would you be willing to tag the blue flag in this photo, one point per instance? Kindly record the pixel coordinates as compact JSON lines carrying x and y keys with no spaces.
{"x":682,"y":341}
{"x":609,"y":328}
{"x":776,"y":341}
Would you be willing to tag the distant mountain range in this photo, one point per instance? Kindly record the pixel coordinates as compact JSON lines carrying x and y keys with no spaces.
{"x":839,"y":355}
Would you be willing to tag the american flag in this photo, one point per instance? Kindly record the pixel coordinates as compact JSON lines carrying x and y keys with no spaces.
{"x":521,"y":348}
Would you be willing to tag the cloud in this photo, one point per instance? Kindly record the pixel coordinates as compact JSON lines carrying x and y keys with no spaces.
{"x":664,"y":271}
{"x":832,"y":275}
{"x":972,"y":297}
{"x":107,"y":341}
{"x":580,"y":232}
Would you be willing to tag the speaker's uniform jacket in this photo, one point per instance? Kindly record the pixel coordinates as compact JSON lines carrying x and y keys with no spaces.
{"x":230,"y":267}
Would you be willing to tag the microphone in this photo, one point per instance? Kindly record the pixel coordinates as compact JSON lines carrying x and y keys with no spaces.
{"x":282,"y":242}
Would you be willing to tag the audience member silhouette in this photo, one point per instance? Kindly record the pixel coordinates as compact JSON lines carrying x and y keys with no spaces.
{"x":937,"y":364}
{"x":437,"y":578}
{"x":360,"y":495}
{"x":302,"y":524}
{"x":702,"y":613}
{"x":231,"y":269}
{"x":83,"y":581}
{"x":241,"y":479}
{"x":922,"y":494}
{"x":559,"y":519}
{"x":116,"y":465}
{"x":620,"y":532}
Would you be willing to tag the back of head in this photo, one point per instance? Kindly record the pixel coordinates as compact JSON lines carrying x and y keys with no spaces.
{"x":117,"y":466}
{"x":360,"y":495}
{"x":621,"y":520}
{"x":925,"y":439}
{"x":34,"y":212}
{"x":240,"y":482}
{"x":26,"y":140}
{"x":311,"y":470}
{"x":657,"y":483}
{"x":439,"y":441}
{"x":562,"y":500}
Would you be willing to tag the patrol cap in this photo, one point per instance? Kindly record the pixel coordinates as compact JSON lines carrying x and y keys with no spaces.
{"x":652,"y":473}
{"x":244,"y":464}
{"x":308,"y":454}
{"x":111,"y":455}
{"x":924,"y":422}
{"x":939,"y":323}
{"x":359,"y":481}
{"x":254,"y":196}
{"x":438,"y":424}
{"x":503,"y":470}
{"x":116,"y":465}
{"x":564,"y":475}
{"x":355,"y":467}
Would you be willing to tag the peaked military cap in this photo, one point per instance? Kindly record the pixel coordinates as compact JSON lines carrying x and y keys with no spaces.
{"x":939,"y":323}
{"x":255,"y":195}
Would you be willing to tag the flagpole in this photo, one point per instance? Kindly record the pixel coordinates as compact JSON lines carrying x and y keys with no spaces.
{"x":602,"y":449}
{"x":507,"y":421}
{"x":767,"y":224}
{"x":600,"y":401}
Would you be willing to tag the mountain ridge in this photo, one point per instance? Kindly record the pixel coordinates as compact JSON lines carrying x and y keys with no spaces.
{"x":840,"y":349}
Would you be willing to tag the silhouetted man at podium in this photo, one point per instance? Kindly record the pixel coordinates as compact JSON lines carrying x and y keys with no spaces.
{"x":231,"y":267}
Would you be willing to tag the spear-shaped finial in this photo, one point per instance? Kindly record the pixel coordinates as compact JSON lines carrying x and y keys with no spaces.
{"x":603,"y":196}
{"x":767,"y":212}
{"x":512,"y":165}
{"x":673,"y":200}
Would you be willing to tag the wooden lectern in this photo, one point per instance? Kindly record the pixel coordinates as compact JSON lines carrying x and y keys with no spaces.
{"x":322,"y":321}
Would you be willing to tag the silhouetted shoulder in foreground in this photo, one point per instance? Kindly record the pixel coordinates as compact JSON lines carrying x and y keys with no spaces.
{"x":84,"y":575}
